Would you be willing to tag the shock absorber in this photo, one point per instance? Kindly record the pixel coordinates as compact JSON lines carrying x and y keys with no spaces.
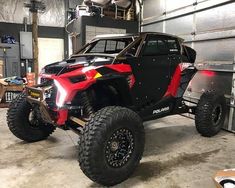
{"x":88,"y":108}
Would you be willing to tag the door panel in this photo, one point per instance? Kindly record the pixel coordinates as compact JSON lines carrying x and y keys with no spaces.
{"x":154,"y":69}
{"x":153,"y":79}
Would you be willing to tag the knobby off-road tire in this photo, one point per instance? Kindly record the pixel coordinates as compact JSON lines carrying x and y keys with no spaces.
{"x":111,"y":145}
{"x":210,"y":113}
{"x":20,"y":125}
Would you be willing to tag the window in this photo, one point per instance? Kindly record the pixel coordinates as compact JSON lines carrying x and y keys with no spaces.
{"x":156,"y":45}
{"x":173,"y":46}
{"x":120,"y":45}
{"x":109,"y":45}
{"x":99,"y":47}
{"x":132,"y":51}
{"x":114,"y":46}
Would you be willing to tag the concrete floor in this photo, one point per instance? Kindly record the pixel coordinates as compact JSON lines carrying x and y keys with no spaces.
{"x":175,"y":156}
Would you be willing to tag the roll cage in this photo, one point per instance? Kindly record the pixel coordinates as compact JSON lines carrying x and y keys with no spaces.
{"x":136,"y":46}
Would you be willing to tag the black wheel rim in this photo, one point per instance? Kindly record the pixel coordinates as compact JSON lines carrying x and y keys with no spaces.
{"x":33,"y":119}
{"x":216,"y":114}
{"x":119,"y":148}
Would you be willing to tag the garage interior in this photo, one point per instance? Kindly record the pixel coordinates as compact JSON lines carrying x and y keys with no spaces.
{"x":37,"y":33}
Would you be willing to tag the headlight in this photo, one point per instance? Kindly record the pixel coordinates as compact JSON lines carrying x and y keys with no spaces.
{"x":61,"y":94}
{"x":39,"y":80}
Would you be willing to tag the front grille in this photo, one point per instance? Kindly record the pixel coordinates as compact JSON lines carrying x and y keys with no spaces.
{"x":51,"y":97}
{"x":46,"y":81}
{"x":50,"y":94}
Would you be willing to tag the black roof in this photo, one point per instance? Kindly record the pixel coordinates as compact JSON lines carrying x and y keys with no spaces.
{"x":110,"y":36}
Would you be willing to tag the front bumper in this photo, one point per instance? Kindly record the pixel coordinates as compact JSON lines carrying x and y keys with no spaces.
{"x":37,"y":96}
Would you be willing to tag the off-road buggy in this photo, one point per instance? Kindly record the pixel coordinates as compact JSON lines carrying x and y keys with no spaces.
{"x":105,"y":91}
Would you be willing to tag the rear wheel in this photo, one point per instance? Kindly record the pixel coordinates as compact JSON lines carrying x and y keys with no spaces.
{"x":111,"y":145}
{"x":25,"y":122}
{"x":210,"y":113}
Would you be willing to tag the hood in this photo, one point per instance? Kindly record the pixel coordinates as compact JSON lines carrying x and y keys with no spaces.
{"x":77,"y":62}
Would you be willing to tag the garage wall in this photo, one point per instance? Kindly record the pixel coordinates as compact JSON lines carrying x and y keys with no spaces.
{"x":206,"y":25}
{"x":13,"y":11}
{"x":51,"y":22}
{"x":50,"y":50}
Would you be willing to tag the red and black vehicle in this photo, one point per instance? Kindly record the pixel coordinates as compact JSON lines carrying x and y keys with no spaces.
{"x":104,"y":93}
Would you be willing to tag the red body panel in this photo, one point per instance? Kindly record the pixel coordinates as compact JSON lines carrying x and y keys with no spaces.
{"x":174,"y":84}
{"x":72,"y":88}
{"x":121,"y":68}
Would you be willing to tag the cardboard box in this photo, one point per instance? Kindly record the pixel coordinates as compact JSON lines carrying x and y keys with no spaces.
{"x":30,"y":79}
{"x":227,"y":175}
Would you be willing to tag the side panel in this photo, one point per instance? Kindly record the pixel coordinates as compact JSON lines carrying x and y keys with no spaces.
{"x":157,"y":70}
{"x":162,"y":108}
{"x":151,"y":79}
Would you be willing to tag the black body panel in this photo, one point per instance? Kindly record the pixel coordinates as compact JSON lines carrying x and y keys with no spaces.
{"x":154,"y":69}
{"x":159,"y":109}
{"x":152,"y":78}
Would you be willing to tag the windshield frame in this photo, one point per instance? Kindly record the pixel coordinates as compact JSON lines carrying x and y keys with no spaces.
{"x":84,"y":49}
{"x":115,"y":41}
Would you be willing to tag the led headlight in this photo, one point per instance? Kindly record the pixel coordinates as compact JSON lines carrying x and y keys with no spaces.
{"x":61,"y":94}
{"x":39,"y":80}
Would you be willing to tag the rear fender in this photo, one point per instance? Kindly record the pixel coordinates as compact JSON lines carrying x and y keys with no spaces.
{"x":186,"y":77}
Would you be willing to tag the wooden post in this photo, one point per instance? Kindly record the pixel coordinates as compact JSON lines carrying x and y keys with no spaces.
{"x":34,"y":7}
{"x":35,"y":43}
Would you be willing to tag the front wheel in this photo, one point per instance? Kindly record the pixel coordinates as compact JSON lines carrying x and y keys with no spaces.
{"x":111,"y":145}
{"x":210,"y":113}
{"x":25,"y":122}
